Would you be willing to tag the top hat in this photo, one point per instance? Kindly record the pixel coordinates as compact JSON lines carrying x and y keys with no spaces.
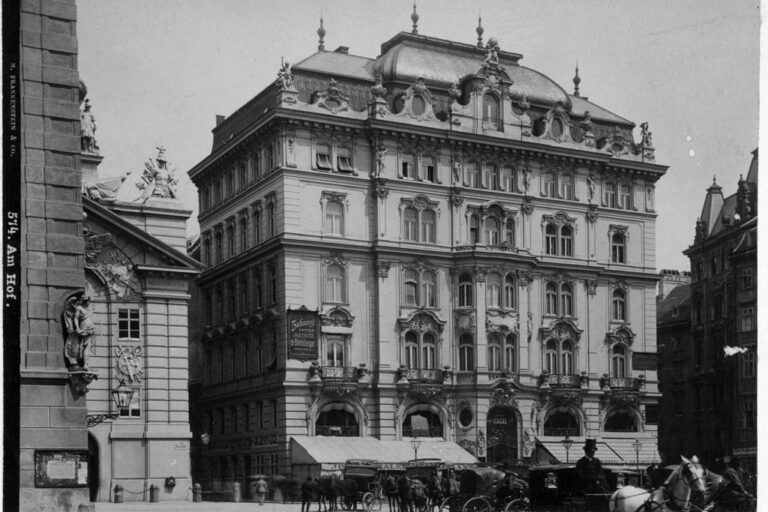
{"x":590,"y":444}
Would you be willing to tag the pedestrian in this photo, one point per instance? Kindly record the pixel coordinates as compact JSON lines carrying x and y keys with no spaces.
{"x":261,"y":490}
{"x":307,"y":493}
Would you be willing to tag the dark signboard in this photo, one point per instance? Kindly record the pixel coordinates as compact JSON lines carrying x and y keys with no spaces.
{"x":61,"y":468}
{"x":645,"y":360}
{"x":302,"y":334}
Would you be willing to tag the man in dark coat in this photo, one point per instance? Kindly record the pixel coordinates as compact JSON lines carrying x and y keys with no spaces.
{"x":590,"y":470}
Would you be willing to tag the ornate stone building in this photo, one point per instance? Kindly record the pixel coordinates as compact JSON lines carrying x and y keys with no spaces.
{"x":437,"y":243}
{"x":710,"y":391}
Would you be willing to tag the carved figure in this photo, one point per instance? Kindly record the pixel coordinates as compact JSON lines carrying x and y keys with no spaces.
{"x":526,"y":179}
{"x":158,"y":180}
{"x":104,"y":190}
{"x":528,"y":441}
{"x":492,"y":53}
{"x":284,"y":76}
{"x":456,"y":168}
{"x":129,"y":363}
{"x":529,"y":326}
{"x":88,"y":129}
{"x":380,"y":152}
{"x":591,"y":187}
{"x":78,"y":331}
{"x":646,"y":135}
{"x":455,"y":92}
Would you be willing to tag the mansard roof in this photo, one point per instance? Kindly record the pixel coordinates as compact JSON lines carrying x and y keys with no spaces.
{"x":678,"y":299}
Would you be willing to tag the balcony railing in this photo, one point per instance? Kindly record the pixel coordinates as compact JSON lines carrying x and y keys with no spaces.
{"x":624,"y":383}
{"x":465,"y":377}
{"x":347,"y":373}
{"x":430,"y":375}
{"x":565,"y":380}
{"x":337,"y":431}
{"x":423,"y":432}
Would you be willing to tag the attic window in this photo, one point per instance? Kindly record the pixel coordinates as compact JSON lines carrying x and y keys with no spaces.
{"x":557,"y":128}
{"x":323,"y":157}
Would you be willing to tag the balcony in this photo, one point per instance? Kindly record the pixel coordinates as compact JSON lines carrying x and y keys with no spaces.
{"x":427,"y":376}
{"x":421,"y":383}
{"x":564,"y":388}
{"x":338,"y":381}
{"x":622,"y":391}
{"x":466,"y":377}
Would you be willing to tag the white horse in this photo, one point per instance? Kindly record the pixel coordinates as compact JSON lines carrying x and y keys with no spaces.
{"x":674,"y":495}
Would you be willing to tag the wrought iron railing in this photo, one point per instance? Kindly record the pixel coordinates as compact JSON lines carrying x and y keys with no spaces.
{"x":348,"y":373}
{"x":337,"y":431}
{"x":465,"y":377}
{"x":624,"y":383}
{"x":565,"y":380}
{"x":423,"y":432}
{"x":561,"y":432}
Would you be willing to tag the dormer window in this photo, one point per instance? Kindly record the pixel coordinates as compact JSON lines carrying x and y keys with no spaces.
{"x":491,"y":111}
{"x":323,"y":160}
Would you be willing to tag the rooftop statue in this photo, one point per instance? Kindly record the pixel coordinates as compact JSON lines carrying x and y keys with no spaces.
{"x":105,"y":189}
{"x":492,"y":50}
{"x":88,"y":129}
{"x":158,"y":180}
{"x":284,"y":76}
{"x":78,"y":331}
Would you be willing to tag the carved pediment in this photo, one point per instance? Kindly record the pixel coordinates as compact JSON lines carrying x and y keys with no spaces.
{"x":562,"y":330}
{"x":339,"y":316}
{"x":111,"y":264}
{"x":422,"y":320}
{"x":331,"y":99}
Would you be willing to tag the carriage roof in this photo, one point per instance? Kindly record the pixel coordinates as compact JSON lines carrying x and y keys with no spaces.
{"x":480,"y":481}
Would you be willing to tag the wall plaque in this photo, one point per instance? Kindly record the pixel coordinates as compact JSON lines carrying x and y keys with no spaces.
{"x":303,"y":326}
{"x":60,"y":468}
{"x":645,"y":361}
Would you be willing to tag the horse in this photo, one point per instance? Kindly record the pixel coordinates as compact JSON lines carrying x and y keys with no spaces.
{"x":674,"y":495}
{"x":325,"y":492}
{"x":393,"y":493}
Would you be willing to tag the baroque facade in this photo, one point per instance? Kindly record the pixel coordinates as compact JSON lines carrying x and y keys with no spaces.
{"x":709,"y":350}
{"x":436,"y":243}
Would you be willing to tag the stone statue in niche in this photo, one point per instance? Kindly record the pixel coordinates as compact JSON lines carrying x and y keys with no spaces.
{"x":158,"y":180}
{"x":456,"y":167}
{"x":78,"y":331}
{"x":88,"y":129}
{"x":380,"y":152}
{"x":591,"y":188}
{"x":526,"y":179}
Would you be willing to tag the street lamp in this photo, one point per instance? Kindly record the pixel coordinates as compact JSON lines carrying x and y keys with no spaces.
{"x":636,"y":444}
{"x":122,"y":397}
{"x":415,"y":443}
{"x":567,"y":443}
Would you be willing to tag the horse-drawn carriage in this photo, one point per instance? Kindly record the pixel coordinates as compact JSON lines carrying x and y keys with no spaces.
{"x":483,"y":489}
{"x":361,"y":484}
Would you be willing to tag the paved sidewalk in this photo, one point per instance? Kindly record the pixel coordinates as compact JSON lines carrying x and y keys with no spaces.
{"x":205,"y":506}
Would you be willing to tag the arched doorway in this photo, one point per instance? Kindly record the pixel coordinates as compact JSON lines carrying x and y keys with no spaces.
{"x":93,"y":467}
{"x":501,"y":426}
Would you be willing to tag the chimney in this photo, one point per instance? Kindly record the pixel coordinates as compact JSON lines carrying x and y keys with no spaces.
{"x":342,"y":49}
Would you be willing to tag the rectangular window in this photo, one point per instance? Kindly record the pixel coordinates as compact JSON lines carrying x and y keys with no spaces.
{"x":749,"y":364}
{"x":473,"y":178}
{"x":407,"y":166}
{"x":344,"y":161}
{"x":335,"y":351}
{"x":652,"y":414}
{"x":274,"y":413}
{"x":626,"y":197}
{"x":273,"y":463}
{"x":749,"y":414}
{"x":323,"y":157}
{"x":430,"y":173}
{"x":134,"y":408}
{"x":747,"y":278}
{"x":128,"y":324}
{"x":508,"y":179}
{"x":748,"y":319}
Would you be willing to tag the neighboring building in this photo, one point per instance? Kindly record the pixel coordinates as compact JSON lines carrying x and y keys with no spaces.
{"x":436,"y":243}
{"x":717,"y":418}
{"x":138,"y":277}
{"x":45,"y":211}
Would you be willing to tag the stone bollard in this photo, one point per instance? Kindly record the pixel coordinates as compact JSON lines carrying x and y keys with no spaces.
{"x":237,"y":495}
{"x":154,"y":493}
{"x":119,"y":491}
{"x":197,"y":493}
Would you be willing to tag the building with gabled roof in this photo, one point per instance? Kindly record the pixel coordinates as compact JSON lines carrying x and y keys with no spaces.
{"x":434,"y":243}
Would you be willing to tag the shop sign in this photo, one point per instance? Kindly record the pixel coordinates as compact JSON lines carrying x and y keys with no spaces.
{"x":302,"y":334}
{"x":644,"y":361}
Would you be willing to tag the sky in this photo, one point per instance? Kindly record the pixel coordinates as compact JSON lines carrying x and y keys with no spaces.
{"x":159,"y":71}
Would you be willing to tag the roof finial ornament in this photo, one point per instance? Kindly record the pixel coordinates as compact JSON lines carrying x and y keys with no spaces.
{"x":321,"y":34}
{"x":576,"y":81}
{"x":415,"y":20}
{"x":479,"y":31}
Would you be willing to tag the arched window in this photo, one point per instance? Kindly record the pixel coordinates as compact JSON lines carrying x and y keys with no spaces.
{"x":617,"y":248}
{"x":466,"y":353}
{"x":610,"y":195}
{"x":428,"y":226}
{"x":566,"y":186}
{"x":411,"y":227}
{"x":509,"y":292}
{"x":334,"y":218}
{"x":493,"y":290}
{"x":551,"y":298}
{"x":510,"y":353}
{"x":428,"y":291}
{"x":411,"y":350}
{"x":428,"y":349}
{"x":550,"y":357}
{"x":465,"y":291}
{"x":494,"y":352}
{"x":566,"y":300}
{"x":491,"y":231}
{"x":550,"y":234}
{"x":491,"y":111}
{"x":566,"y":241}
{"x":560,"y":424}
{"x":422,"y":423}
{"x":620,"y":422}
{"x":334,"y":290}
{"x":619,"y":361}
{"x":619,"y":305}
{"x":566,"y":355}
{"x":474,"y":229}
{"x":509,"y":232}
{"x":336,"y":419}
{"x":411,"y":285}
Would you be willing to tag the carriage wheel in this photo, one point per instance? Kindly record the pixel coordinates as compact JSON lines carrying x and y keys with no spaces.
{"x":348,"y":503}
{"x":520,"y":504}
{"x":370,"y":503}
{"x":451,"y":504}
{"x":477,"y":504}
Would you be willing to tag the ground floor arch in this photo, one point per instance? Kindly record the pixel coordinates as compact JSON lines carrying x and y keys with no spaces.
{"x":502,"y":427}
